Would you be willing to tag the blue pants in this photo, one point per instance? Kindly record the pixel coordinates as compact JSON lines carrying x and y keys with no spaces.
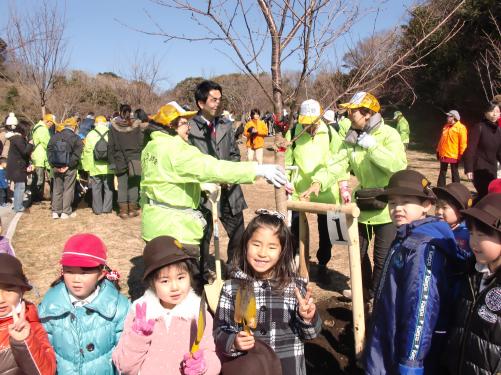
{"x":19,"y":188}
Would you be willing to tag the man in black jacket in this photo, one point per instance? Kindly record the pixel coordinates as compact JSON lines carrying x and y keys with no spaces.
{"x":63,"y":152}
{"x":212,"y":134}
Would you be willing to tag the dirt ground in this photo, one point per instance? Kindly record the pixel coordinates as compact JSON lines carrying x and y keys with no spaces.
{"x":39,"y":241}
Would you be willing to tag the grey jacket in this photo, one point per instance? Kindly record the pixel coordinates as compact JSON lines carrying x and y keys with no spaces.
{"x":224,"y":147}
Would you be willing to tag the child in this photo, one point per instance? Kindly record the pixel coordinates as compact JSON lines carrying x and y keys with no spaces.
{"x":475,"y":337}
{"x":450,"y":201}
{"x":24,"y":345}
{"x":4,"y":185}
{"x":159,"y":330}
{"x":284,"y":317}
{"x":412,"y":300}
{"x":5,"y":246}
{"x":83,"y":312}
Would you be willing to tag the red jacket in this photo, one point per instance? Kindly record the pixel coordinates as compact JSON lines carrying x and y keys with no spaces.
{"x":31,"y":356}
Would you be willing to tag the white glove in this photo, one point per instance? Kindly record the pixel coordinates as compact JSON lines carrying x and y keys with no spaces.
{"x":273,"y":173}
{"x":366,"y":140}
{"x":212,"y":190}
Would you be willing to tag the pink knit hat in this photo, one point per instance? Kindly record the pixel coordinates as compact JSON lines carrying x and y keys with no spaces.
{"x":84,"y":250}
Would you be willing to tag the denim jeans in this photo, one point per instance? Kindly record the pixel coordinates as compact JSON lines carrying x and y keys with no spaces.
{"x":19,"y":188}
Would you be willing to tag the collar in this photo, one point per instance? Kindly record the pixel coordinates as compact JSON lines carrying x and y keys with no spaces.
{"x":483,"y":269}
{"x":404,"y":230}
{"x":76,"y":302}
{"x":188,"y":308}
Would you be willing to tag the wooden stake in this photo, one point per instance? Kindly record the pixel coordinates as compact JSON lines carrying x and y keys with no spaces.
{"x":304,"y":246}
{"x":356,"y":285}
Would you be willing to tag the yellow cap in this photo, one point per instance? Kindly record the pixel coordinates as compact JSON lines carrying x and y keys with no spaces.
{"x":70,"y":122}
{"x":49,"y":117}
{"x":362,"y":99}
{"x":169,"y":112}
{"x":100,"y":120}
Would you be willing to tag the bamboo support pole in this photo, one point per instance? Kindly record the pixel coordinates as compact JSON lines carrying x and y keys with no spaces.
{"x":304,"y":246}
{"x":352,"y":212}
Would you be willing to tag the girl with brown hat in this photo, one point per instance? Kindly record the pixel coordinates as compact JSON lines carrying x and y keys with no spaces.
{"x":157,"y":333}
{"x":24,"y":344}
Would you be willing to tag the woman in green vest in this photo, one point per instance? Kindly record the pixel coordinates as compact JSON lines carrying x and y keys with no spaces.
{"x":173,"y":171}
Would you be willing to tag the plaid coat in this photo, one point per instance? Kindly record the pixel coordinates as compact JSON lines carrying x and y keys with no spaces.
{"x":278,"y":322}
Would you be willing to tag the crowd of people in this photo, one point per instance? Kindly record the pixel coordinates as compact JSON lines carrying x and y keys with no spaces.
{"x":433,"y":288}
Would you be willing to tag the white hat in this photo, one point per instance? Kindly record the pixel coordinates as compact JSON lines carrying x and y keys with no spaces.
{"x":309,"y":112}
{"x":11,"y":120}
{"x":455,"y":114}
{"x":329,"y":116}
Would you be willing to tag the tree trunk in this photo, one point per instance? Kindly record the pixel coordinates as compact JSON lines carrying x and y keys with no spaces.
{"x":276,"y":78}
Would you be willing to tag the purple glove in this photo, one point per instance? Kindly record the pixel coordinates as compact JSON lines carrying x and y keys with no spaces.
{"x":142,"y":326}
{"x":194,"y":364}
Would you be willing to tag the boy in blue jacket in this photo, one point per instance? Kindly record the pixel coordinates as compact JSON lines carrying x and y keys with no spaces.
{"x":451,"y":199}
{"x":411,"y":303}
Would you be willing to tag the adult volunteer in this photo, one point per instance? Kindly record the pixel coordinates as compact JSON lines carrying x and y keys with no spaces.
{"x":310,"y":154}
{"x":173,"y":171}
{"x":374,"y":152}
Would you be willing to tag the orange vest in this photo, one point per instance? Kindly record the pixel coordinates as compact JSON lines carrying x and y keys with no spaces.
{"x":453,"y":141}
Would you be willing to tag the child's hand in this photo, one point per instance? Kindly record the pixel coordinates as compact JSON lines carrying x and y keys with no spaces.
{"x":307,"y":307}
{"x":141,"y":325}
{"x":194,"y":364}
{"x":20,"y":329}
{"x":244,"y":341}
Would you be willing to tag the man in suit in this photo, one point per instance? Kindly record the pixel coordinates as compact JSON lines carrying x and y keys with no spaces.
{"x":213,"y":134}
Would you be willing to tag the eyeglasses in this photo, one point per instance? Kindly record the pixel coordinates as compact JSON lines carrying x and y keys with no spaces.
{"x":214,"y":99}
{"x":185,"y":122}
{"x":264,"y":211}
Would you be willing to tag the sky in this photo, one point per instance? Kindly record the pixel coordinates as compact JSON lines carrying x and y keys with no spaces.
{"x":98,"y":41}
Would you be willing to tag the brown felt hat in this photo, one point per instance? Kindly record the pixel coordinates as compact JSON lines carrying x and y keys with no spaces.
{"x":457,"y":192}
{"x":162,"y":251}
{"x":409,"y":183}
{"x":261,"y":359}
{"x":11,"y":272}
{"x":487,"y":210}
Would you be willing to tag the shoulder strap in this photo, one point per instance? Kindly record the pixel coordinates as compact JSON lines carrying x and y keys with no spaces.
{"x":293,"y":134}
{"x":329,"y":129}
{"x":101,"y":135}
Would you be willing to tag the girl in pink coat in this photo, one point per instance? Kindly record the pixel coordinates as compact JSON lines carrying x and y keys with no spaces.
{"x":161,"y":326}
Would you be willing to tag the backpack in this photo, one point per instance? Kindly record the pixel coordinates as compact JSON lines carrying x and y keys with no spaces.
{"x":293,"y":134}
{"x":101,"y":148}
{"x":59,"y":156}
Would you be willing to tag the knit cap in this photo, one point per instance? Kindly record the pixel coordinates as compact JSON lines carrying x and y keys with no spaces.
{"x":84,"y":250}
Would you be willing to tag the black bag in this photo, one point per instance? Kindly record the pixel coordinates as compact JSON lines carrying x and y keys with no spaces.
{"x":367,"y":201}
{"x":101,"y":148}
{"x":60,"y":154}
{"x":134,"y":168}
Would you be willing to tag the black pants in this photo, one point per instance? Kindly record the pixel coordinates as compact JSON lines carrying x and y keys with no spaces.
{"x":443,"y":173}
{"x":384,"y":235}
{"x":481,"y":180}
{"x":233,"y":225}
{"x":324,"y":242}
{"x":3,"y":195}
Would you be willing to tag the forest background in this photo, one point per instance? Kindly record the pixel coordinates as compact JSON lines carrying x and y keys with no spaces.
{"x":458,"y":67}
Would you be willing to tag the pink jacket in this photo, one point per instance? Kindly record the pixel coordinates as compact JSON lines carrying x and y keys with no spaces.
{"x":162,"y":352}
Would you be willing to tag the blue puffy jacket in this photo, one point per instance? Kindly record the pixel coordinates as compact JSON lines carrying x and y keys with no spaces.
{"x":84,"y":337}
{"x":412,"y":304}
